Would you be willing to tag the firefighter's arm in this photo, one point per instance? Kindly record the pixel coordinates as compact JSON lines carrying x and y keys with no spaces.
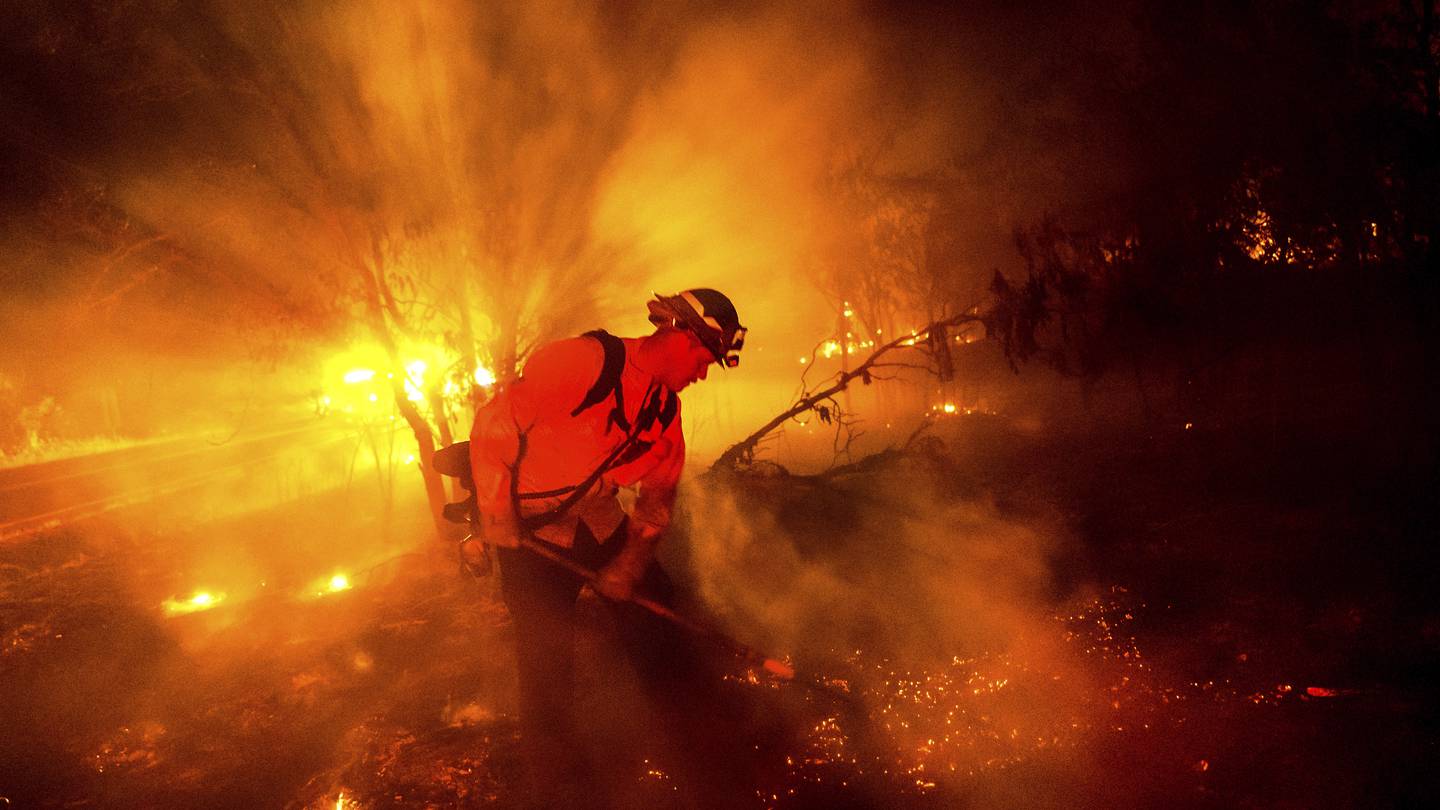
{"x":494,"y":447}
{"x":649,"y":518}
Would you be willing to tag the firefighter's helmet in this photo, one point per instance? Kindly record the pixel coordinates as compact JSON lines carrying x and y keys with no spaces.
{"x":709,"y":315}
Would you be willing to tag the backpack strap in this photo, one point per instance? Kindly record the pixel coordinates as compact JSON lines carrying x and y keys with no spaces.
{"x":658,"y":405}
{"x":609,"y":380}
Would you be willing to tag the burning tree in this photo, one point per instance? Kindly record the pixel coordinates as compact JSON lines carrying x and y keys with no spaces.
{"x":410,"y":171}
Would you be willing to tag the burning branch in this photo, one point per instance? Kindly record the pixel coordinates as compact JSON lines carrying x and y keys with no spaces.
{"x":743,"y":452}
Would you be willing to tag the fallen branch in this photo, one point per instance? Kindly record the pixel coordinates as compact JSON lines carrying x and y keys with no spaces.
{"x":743,"y":452}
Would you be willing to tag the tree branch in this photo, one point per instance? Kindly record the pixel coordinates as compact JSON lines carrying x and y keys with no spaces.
{"x":743,"y":452}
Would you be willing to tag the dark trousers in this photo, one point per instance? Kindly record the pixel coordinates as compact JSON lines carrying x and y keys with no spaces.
{"x":676,"y":676}
{"x":541,"y":598}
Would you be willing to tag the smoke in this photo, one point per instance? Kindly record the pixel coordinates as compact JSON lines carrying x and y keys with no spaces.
{"x":942,"y":614}
{"x":210,"y":181}
{"x":889,"y":560}
{"x":200,"y":190}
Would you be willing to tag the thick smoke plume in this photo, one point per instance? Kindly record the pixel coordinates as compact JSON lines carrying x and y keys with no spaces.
{"x":202,"y":188}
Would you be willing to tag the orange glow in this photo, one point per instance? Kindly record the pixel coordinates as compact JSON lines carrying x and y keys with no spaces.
{"x":201,"y":600}
{"x":336,"y":583}
{"x":415,"y":380}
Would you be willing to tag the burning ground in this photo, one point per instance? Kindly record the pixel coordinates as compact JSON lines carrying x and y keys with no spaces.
{"x":979,"y":625}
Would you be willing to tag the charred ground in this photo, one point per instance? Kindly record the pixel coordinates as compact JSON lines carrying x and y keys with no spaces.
{"x":1223,"y":620}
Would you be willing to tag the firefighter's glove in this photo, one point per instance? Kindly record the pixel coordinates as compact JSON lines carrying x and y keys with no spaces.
{"x":475,"y":557}
{"x":618,"y":580}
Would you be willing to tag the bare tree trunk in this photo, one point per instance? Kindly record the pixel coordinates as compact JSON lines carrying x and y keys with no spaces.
{"x":842,"y":331}
{"x":467,"y":339}
{"x":375,"y":295}
{"x":442,"y":425}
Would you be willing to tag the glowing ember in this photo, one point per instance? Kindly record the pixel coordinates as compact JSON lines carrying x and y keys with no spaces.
{"x":484,"y":377}
{"x":131,"y":748}
{"x":653,"y":772}
{"x":919,"y":731}
{"x":339,"y":582}
{"x":951,"y":409}
{"x":201,"y":600}
{"x":359,"y":375}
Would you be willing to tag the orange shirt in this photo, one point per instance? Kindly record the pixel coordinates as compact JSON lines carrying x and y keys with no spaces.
{"x":562,"y":451}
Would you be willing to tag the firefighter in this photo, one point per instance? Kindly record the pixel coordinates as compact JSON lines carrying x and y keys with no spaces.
{"x":549,"y":454}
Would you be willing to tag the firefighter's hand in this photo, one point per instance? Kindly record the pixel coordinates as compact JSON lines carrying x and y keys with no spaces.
{"x":617,"y":581}
{"x":474,"y":557}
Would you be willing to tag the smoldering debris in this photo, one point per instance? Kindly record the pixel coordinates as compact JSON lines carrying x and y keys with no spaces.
{"x":398,"y":689}
{"x":888,"y":547}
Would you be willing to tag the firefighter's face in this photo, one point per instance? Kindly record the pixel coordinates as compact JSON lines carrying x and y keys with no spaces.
{"x":691,"y":363}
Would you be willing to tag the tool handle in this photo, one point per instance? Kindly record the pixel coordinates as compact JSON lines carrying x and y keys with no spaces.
{"x":774,"y":666}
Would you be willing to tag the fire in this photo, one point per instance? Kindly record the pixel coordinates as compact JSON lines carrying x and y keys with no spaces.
{"x":952,"y":409}
{"x":415,"y":380}
{"x":831,"y":348}
{"x":336,"y":583}
{"x":360,"y":386}
{"x":201,"y":600}
{"x":1259,"y":236}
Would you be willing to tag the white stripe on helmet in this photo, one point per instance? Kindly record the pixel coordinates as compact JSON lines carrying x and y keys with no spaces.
{"x":700,"y":310}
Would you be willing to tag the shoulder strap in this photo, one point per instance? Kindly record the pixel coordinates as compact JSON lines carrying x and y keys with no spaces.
{"x":658,"y":405}
{"x":609,"y":380}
